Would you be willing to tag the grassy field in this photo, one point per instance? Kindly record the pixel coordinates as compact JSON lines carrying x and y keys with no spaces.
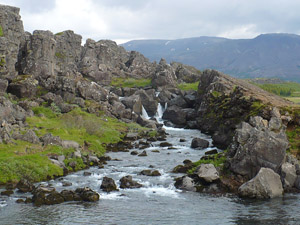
{"x":20,"y":159}
{"x":288,"y":90}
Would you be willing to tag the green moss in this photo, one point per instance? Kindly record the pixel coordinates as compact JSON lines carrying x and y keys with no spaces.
{"x":188,"y":86}
{"x":217,"y":160}
{"x":60,"y":55}
{"x":216,"y":94}
{"x":256,"y":108}
{"x":59,"y":33}
{"x":130,"y":82}
{"x":41,"y":91}
{"x":25,"y":160}
{"x":79,"y":165}
{"x":2,"y":61}
{"x":1,"y":31}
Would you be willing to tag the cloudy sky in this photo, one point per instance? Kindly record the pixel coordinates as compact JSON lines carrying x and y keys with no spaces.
{"x":123,"y":20}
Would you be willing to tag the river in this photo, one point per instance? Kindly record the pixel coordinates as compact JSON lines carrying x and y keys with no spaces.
{"x":157,"y":202}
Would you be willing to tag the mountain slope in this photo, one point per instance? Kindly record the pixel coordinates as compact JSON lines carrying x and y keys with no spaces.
{"x":268,"y":55}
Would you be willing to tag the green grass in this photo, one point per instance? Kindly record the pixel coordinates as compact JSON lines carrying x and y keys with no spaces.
{"x":59,"y":33}
{"x":21,"y":159}
{"x":286,"y":89}
{"x":294,"y":99}
{"x":1,"y":31}
{"x":217,"y":160}
{"x":293,"y":135}
{"x":130,"y":82}
{"x":188,"y":86}
{"x":25,"y":160}
{"x":60,"y":55}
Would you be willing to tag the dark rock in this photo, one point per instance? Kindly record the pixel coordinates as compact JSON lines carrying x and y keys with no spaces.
{"x":134,"y":103}
{"x":108,"y":185}
{"x":53,"y":198}
{"x":66,"y":184}
{"x":86,"y":174}
{"x":182,"y":140}
{"x":145,"y":172}
{"x":134,"y":153}
{"x":155,"y":173}
{"x":297,"y":182}
{"x":165,"y":144}
{"x":211,"y":152}
{"x":87,"y":194}
{"x":199,"y":143}
{"x":144,"y":153}
{"x":7,"y":192}
{"x":155,"y":151}
{"x":179,"y":101}
{"x":102,"y":159}
{"x":127,"y":182}
{"x":182,"y":168}
{"x":20,"y":201}
{"x":175,"y":114}
{"x":25,"y":186}
{"x":68,"y":195}
{"x":24,"y":86}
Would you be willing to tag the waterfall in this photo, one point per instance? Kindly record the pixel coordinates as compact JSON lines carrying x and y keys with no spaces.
{"x":145,"y":114}
{"x":159,"y":113}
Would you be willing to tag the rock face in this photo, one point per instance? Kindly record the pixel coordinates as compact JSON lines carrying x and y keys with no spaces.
{"x":164,"y":75}
{"x":207,"y":172}
{"x":12,"y":31}
{"x":256,"y":146}
{"x":266,"y":184}
{"x":223,"y":105}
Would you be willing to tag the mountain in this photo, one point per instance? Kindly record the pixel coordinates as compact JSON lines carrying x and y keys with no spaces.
{"x":267,"y":55}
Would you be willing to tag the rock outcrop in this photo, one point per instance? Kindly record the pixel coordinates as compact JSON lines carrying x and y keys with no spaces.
{"x":11,"y":35}
{"x":258,"y":144}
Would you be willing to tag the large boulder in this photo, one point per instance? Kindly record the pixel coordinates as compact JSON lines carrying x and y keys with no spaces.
{"x":100,"y":60}
{"x":207,"y":172}
{"x":134,"y":103}
{"x":266,"y":184}
{"x":24,"y":86}
{"x":257,"y":146}
{"x":288,"y":175}
{"x":176,"y":115}
{"x":139,"y":66}
{"x":199,"y":143}
{"x":148,"y":101}
{"x":164,"y":75}
{"x":25,"y":186}
{"x":11,"y":113}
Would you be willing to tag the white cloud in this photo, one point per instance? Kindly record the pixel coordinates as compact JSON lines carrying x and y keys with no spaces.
{"x":165,"y":19}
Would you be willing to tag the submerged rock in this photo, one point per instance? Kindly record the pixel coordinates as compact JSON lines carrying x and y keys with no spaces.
{"x":127,"y":182}
{"x":266,"y":184}
{"x":108,"y":185}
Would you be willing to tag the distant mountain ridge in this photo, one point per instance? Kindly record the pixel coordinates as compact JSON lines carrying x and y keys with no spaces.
{"x":267,"y":55}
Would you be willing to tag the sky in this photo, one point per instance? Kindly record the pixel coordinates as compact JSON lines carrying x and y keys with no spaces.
{"x":124,"y":20}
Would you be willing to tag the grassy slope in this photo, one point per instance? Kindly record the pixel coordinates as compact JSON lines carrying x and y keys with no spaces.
{"x":21,"y":159}
{"x":130,"y":82}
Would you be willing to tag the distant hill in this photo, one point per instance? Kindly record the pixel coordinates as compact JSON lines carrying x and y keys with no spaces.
{"x":268,"y":55}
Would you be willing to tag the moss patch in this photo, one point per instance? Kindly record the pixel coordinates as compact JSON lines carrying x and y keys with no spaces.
{"x":60,"y":55}
{"x":188,"y":86}
{"x":130,"y":82}
{"x":1,"y":31}
{"x":217,"y":160}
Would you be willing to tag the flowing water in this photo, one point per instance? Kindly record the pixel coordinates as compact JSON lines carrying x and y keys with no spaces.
{"x":157,"y":202}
